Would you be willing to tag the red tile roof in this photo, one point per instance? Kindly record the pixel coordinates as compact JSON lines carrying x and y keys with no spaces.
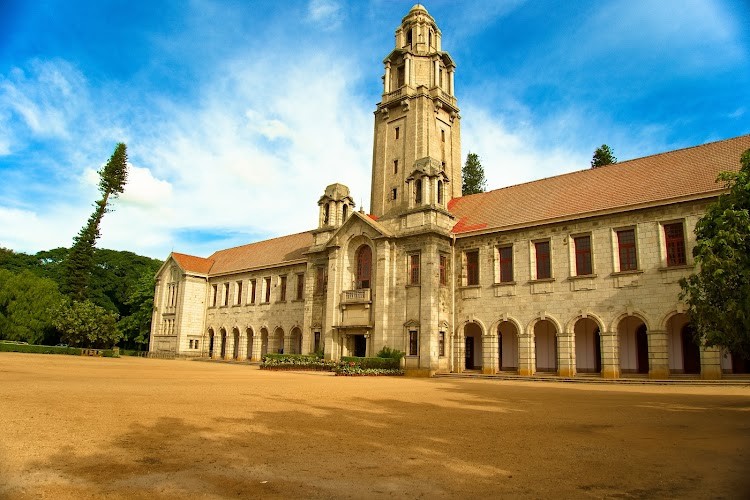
{"x":192,"y":263}
{"x":276,"y":251}
{"x":662,"y":178}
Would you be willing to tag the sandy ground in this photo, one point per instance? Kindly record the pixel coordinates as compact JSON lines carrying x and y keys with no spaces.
{"x":75,"y":427}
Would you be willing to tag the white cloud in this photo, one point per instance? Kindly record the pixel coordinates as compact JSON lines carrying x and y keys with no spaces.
{"x":325,"y":13}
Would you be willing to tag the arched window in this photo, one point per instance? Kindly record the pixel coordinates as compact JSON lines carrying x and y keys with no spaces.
{"x":326,"y":214}
{"x":440,"y":192}
{"x":418,"y":191}
{"x":364,"y":266}
{"x":346,"y":212}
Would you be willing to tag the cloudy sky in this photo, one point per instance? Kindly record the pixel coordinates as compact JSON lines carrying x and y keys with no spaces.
{"x":237,"y":114}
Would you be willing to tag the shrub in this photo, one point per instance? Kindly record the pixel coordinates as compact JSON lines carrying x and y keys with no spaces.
{"x":38,"y":349}
{"x":376,"y":363}
{"x":296,"y":362}
{"x":352,"y":369}
{"x":388,"y":353}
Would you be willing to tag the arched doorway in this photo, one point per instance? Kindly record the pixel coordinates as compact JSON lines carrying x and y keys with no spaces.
{"x":632,"y":336}
{"x":211,"y":342}
{"x":545,"y":346}
{"x":223,"y":343}
{"x":364,"y":266}
{"x":691,"y":354}
{"x":236,"y":346}
{"x":263,"y":341}
{"x":295,"y":341}
{"x":278,"y":340}
{"x":588,"y":346}
{"x":472,"y":346}
{"x":507,"y":345}
{"x":250,"y":338}
{"x":731,"y":362}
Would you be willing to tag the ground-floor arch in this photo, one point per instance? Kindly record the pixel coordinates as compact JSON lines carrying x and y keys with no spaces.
{"x":236,"y":343}
{"x":472,"y":346}
{"x":223,"y":351}
{"x":250,"y":336}
{"x":211,"y":341}
{"x":507,"y":344}
{"x":295,"y":341}
{"x":263,"y":341}
{"x":588,"y":346}
{"x":632,"y":336}
{"x":683,"y":351}
{"x":278,"y":340}
{"x":545,"y":346}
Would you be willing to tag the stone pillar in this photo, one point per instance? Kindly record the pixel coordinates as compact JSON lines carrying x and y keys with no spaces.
{"x":610,"y":347}
{"x":566,"y":354}
{"x":287,"y":342}
{"x":387,"y":79}
{"x":459,"y":344}
{"x":436,"y":75}
{"x":489,"y":354}
{"x":257,"y":346}
{"x":450,"y":81}
{"x":242,"y":352}
{"x":658,"y":355}
{"x":710,"y":363}
{"x":407,"y":71}
{"x":229,"y":353}
{"x":526,"y":354}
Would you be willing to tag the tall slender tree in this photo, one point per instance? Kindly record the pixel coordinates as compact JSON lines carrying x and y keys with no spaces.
{"x":473,"y":176}
{"x":80,"y":261}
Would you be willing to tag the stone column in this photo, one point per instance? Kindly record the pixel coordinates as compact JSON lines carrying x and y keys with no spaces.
{"x":658,"y":355}
{"x":566,"y":354}
{"x":526,"y":354}
{"x":257,"y":346}
{"x":436,"y":75}
{"x":242,"y":352}
{"x":387,"y":79}
{"x":489,"y":354}
{"x":710,"y":363}
{"x":459,"y":344}
{"x":407,"y":71}
{"x":610,"y":348}
{"x":450,"y":81}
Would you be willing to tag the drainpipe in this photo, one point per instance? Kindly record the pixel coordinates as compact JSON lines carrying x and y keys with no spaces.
{"x":453,"y":300}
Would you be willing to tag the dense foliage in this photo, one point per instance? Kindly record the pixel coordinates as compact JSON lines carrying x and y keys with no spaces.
{"x":84,"y":324}
{"x":603,"y":156}
{"x":718,"y":295}
{"x":27,"y":307}
{"x":473,"y":176}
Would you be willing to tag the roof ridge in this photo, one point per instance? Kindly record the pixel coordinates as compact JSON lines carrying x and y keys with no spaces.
{"x":261,"y":241}
{"x":590,"y":169}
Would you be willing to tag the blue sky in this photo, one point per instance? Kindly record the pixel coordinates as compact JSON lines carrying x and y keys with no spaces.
{"x":237,"y":114}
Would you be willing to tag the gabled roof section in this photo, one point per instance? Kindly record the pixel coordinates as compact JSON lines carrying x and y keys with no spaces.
{"x":191,"y":263}
{"x":268,"y":253}
{"x":653,"y":180}
{"x":357,"y":216}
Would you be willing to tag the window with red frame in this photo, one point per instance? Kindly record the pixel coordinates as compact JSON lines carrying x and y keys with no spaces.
{"x":674,"y":236}
{"x":414,"y":269}
{"x":282,"y":292}
{"x":300,"y":286}
{"x":543,"y":264}
{"x":583,"y":255}
{"x":472,"y":268}
{"x":626,"y":250}
{"x":505,"y":255}
{"x":443,"y":270}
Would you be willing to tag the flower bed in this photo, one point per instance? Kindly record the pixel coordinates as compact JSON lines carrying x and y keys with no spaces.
{"x":296,"y":362}
{"x":353,"y":369}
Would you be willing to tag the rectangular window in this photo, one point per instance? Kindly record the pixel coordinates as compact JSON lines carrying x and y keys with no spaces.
{"x":505,"y":257}
{"x":674,"y":236}
{"x":394,"y":193}
{"x":300,"y":286}
{"x":214,"y":294}
{"x":441,"y":344}
{"x":267,"y":284}
{"x":282,"y":292}
{"x":321,"y":280}
{"x":626,"y":249}
{"x":442,"y":135}
{"x":238,"y":299}
{"x":443,"y":270}
{"x":397,"y":129}
{"x":226,"y":294}
{"x":412,"y":342}
{"x":317,"y":342}
{"x":418,"y":191}
{"x":414,"y":269}
{"x":395,"y":166}
{"x":583,"y":255}
{"x":543,"y":264}
{"x":253,"y":287}
{"x":472,"y":268}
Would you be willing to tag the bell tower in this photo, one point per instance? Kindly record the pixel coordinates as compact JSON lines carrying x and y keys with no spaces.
{"x":416,"y":160}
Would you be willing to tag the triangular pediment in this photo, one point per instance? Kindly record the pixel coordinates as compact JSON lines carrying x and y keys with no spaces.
{"x":362,"y":220}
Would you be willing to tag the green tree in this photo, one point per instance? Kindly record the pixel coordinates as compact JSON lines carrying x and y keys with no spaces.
{"x":27,"y":307}
{"x":473,"y":176}
{"x":84,"y":324}
{"x":80,"y":262}
{"x":136,"y":327}
{"x":603,"y":156}
{"x":718,"y":295}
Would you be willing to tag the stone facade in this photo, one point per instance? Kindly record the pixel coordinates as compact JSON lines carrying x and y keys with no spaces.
{"x":573,"y":274}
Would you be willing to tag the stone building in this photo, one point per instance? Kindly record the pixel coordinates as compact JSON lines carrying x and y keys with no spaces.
{"x":576,"y":273}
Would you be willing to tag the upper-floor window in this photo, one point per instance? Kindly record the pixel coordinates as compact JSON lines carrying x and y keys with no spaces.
{"x":418,"y":191}
{"x":344,"y":212}
{"x":674,"y":235}
{"x":226,"y":294}
{"x":394,"y":193}
{"x":364,"y":266}
{"x":282,"y":286}
{"x":627,"y":250}
{"x":441,"y":343}
{"x":214,"y":294}
{"x":300,"y":285}
{"x":414,"y":269}
{"x":413,"y":342}
{"x":440,"y":192}
{"x":395,"y":166}
{"x":397,"y":130}
{"x":442,"y":134}
{"x":267,"y":286}
{"x":326,"y":214}
{"x":400,"y":79}
{"x":472,"y":267}
{"x":443,"y":270}
{"x":253,"y":287}
{"x":321,"y":279}
{"x":505,"y":261}
{"x":583,"y":255}
{"x":238,"y":299}
{"x":543,"y":263}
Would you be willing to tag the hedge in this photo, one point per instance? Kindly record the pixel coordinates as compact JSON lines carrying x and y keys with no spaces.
{"x":377,"y":363}
{"x":296,"y":362}
{"x":47,"y":349}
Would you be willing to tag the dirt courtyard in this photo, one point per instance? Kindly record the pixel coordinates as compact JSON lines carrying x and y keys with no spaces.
{"x":75,"y":427}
